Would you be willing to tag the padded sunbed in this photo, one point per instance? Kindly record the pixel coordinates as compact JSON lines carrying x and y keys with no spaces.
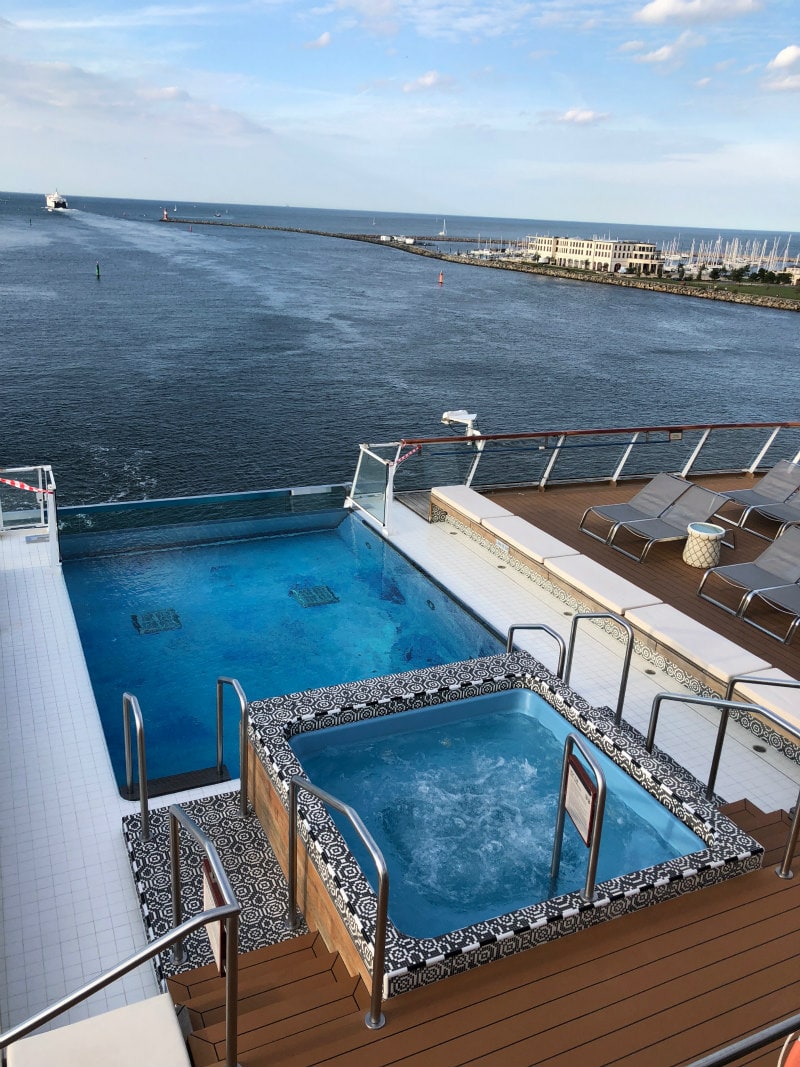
{"x":778,"y":565}
{"x":785,"y":599}
{"x":785,"y":514}
{"x":650,"y":502}
{"x":695,"y":504}
{"x":775,"y":487}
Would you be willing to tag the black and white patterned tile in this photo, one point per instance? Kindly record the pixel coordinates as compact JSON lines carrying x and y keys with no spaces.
{"x":412,"y":962}
{"x":245,"y":853}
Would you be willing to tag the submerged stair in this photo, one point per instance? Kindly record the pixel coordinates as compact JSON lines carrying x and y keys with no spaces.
{"x":665,"y":985}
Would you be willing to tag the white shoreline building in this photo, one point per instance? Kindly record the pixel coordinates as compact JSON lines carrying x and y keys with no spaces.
{"x":600,"y":254}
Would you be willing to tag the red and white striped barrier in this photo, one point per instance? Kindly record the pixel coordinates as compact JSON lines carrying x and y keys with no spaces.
{"x":24,"y":485}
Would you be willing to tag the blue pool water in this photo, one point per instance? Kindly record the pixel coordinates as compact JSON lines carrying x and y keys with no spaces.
{"x":280,"y":614}
{"x":462,"y":800}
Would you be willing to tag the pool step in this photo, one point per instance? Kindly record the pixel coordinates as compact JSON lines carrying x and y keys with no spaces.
{"x":284,"y":989}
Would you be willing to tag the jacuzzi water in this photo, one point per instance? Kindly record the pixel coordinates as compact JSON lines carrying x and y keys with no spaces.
{"x":462,"y":800}
{"x":280,"y":614}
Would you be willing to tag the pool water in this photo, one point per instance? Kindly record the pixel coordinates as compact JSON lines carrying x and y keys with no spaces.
{"x":280,"y":614}
{"x":462,"y":800}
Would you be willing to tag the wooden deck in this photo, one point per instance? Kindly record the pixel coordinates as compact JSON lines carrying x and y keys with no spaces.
{"x":660,"y":988}
{"x":558,"y":511}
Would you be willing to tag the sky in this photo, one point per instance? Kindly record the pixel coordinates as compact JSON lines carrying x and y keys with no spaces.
{"x":669,"y":112}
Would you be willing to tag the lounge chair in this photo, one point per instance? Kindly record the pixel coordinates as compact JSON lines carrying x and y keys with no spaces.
{"x":786,"y":514}
{"x":778,"y":565}
{"x":650,"y":502}
{"x":775,"y":487}
{"x":695,"y":504}
{"x":785,"y":599}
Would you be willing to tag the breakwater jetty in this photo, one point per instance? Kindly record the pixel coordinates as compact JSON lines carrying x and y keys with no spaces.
{"x":429,"y":247}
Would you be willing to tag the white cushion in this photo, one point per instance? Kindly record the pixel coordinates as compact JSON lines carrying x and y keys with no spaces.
{"x":599,"y":584}
{"x":145,"y":1034}
{"x":717,"y":655}
{"x":471,"y":504}
{"x":527,"y":539}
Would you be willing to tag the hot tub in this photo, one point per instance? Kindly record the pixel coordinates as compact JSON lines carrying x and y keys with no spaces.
{"x":337,"y":896}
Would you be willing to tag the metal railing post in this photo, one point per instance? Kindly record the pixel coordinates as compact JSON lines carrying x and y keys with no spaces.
{"x":562,"y":648}
{"x":227,"y":912}
{"x":626,"y":661}
{"x":131,"y":704}
{"x":237,"y":688}
{"x":375,"y":1018}
{"x":177,"y":818}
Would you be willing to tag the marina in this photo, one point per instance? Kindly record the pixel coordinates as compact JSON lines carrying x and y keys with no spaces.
{"x":238,"y":382}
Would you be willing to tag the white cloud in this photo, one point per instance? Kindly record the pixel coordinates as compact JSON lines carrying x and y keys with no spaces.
{"x":787,"y":57}
{"x":153,"y":15}
{"x":322,"y":41}
{"x":631,"y":46}
{"x":582,"y":117}
{"x":701,"y":83}
{"x":672,"y":53}
{"x":788,"y":84}
{"x":694,"y":10}
{"x":432,"y":79}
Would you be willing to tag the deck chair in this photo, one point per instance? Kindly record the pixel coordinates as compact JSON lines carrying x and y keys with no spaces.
{"x":785,"y":599}
{"x":775,"y":487}
{"x":695,"y":504}
{"x":778,"y":565}
{"x":786,"y":514}
{"x":650,"y":502}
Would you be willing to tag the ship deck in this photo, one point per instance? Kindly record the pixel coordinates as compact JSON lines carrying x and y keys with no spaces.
{"x":715,"y":964}
{"x":558,"y":511}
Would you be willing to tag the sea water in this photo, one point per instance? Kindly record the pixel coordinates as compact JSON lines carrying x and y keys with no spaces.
{"x":212,"y":359}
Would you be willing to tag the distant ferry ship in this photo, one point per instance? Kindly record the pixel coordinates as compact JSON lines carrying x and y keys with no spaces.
{"x":55,"y":201}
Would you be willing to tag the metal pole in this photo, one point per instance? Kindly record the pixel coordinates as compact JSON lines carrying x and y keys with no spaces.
{"x":175,"y":881}
{"x":291,"y":862}
{"x":129,"y":702}
{"x":785,"y":869}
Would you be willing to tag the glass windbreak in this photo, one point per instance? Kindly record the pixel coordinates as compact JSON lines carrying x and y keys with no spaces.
{"x":370,"y":485}
{"x":20,"y":507}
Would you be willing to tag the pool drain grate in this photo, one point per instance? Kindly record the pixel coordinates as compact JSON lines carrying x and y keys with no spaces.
{"x":311,"y":596}
{"x":155,"y":622}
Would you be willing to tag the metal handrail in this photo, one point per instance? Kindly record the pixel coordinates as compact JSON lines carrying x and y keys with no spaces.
{"x":560,"y":440}
{"x":562,"y":647}
{"x":230,"y":908}
{"x":596,"y":830}
{"x":374,"y":1018}
{"x":130,"y":705}
{"x":626,"y":662}
{"x":228,"y":911}
{"x":734,"y":1052}
{"x":783,"y":870}
{"x":237,"y":688}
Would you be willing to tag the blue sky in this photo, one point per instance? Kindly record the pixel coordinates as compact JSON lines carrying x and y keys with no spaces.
{"x":674,"y":112}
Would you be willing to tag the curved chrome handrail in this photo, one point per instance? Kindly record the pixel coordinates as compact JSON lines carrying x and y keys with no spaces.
{"x":229,"y":911}
{"x":243,"y":720}
{"x":783,"y":870}
{"x":375,"y":1018}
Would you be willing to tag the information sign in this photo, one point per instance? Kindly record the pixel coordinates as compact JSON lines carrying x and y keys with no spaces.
{"x":581,"y":798}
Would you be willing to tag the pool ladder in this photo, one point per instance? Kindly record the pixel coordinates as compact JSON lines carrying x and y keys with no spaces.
{"x":566,"y":651}
{"x":131,"y":708}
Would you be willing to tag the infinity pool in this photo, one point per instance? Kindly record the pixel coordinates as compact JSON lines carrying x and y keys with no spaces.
{"x":279,"y":613}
